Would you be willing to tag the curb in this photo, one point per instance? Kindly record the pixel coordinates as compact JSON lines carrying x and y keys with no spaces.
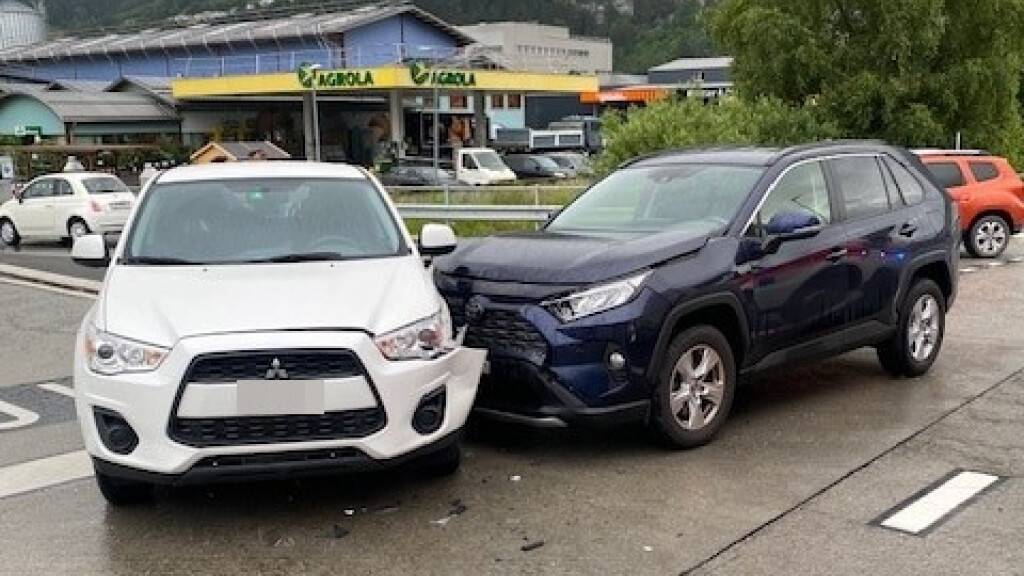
{"x":50,"y":279}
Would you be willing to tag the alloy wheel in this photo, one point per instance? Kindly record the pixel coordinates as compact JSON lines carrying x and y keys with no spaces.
{"x":78,"y":229}
{"x":7,"y":232}
{"x":923,"y":328}
{"x":990,"y":237}
{"x":698,"y":387}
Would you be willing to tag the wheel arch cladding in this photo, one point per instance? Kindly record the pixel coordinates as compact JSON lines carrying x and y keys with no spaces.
{"x":937,"y":272}
{"x":1000,"y":212}
{"x":722,"y":312}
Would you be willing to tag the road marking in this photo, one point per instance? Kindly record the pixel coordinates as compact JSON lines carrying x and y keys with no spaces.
{"x":58,"y":389}
{"x":21,"y":416}
{"x":45,"y":472}
{"x":939,"y":501}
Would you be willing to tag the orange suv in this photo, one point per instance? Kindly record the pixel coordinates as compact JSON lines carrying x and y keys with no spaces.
{"x":988,"y":193}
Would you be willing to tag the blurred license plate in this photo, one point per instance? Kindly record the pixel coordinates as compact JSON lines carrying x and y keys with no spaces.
{"x":274,"y":397}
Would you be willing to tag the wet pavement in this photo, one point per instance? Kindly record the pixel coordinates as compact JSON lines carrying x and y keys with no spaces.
{"x":809,"y":460}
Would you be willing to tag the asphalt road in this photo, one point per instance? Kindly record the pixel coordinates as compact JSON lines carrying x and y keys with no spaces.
{"x":811,"y":459}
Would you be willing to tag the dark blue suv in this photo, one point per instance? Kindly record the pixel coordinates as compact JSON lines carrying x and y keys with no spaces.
{"x":647,"y":297}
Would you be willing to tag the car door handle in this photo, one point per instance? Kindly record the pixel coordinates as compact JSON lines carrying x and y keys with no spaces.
{"x":837,"y":254}
{"x":908,"y":229}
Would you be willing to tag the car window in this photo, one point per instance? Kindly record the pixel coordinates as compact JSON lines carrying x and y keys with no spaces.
{"x":242,"y":221}
{"x":469,"y":163}
{"x":39,"y":189}
{"x":948,"y":174}
{"x":906,"y":183}
{"x":984,"y":171}
{"x":802,"y":189}
{"x":104,"y":185}
{"x":62,"y":187}
{"x":696,"y":197}
{"x":861,"y":185}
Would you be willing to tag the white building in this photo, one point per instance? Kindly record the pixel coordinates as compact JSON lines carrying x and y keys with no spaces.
{"x":541,"y":48}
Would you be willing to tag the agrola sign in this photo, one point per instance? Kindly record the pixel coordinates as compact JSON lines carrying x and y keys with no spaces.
{"x":422,"y":76}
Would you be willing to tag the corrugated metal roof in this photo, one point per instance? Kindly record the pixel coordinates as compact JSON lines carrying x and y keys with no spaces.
{"x":94,"y":107}
{"x":694,"y":64}
{"x":306,"y":25}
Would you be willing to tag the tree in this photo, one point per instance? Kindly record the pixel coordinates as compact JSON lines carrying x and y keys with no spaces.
{"x":687,"y":123}
{"x":913,"y":72}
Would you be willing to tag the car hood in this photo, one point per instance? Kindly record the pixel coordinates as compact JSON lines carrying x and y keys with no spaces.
{"x":561,"y":258}
{"x":163,"y":304}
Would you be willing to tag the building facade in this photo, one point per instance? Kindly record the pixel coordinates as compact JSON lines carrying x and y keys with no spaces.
{"x":541,"y":48}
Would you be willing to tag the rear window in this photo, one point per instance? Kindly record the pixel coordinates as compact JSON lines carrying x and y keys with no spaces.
{"x":104,"y":185}
{"x":984,"y":171}
{"x":948,"y":174}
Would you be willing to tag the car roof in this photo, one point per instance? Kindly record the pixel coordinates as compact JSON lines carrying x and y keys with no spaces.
{"x":760,"y":156}
{"x":259,"y":169}
{"x":76,"y":175}
{"x":953,"y":157}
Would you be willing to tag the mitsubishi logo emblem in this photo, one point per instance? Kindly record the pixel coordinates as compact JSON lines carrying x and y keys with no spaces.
{"x":276,"y":372}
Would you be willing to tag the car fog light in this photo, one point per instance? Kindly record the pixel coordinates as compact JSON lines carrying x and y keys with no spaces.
{"x":429,"y":414}
{"x":115,"y":432}
{"x":616,"y":361}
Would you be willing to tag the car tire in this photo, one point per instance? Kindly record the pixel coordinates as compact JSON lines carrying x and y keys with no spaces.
{"x":9,"y":233}
{"x":122,"y":492}
{"x":918,"y":339}
{"x":444,"y":462}
{"x":698,"y":379}
{"x":77,"y":227}
{"x":988,"y":237}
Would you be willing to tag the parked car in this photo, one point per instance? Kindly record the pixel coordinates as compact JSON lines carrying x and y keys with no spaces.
{"x":648,"y":296}
{"x":66,"y":206}
{"x":418,"y":176}
{"x":988,"y":193}
{"x":267,"y":319}
{"x":574,"y":163}
{"x":481,"y":167}
{"x":534,"y":166}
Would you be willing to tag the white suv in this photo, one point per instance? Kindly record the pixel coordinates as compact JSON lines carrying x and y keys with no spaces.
{"x":66,"y":205}
{"x":264,"y":319}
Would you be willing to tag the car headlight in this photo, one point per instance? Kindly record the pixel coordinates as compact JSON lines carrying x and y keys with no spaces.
{"x":425,"y":339}
{"x":597,"y":299}
{"x":110,"y":355}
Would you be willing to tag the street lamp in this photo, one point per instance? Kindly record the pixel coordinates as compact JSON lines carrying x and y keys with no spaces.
{"x":316,"y":115}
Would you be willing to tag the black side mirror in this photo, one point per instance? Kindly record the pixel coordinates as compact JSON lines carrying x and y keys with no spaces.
{"x":17,"y":194}
{"x":787,"y":227}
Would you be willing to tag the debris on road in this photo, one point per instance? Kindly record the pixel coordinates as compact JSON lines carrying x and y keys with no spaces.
{"x":515,"y":478}
{"x":529,"y":547}
{"x":457,"y":509}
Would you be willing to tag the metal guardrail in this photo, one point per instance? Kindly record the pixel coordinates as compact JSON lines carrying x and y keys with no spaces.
{"x":479,"y":212}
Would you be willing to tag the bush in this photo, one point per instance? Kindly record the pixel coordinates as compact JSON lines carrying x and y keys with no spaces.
{"x":691,"y":123}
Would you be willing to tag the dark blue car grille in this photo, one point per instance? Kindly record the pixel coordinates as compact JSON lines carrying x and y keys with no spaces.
{"x":502,"y":331}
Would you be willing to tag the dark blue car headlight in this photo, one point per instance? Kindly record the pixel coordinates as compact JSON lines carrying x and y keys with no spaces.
{"x":597,"y":299}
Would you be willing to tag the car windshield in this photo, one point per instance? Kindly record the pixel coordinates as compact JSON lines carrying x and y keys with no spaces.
{"x":489,"y":160}
{"x":104,"y":185}
{"x":703,"y":197}
{"x":262,"y":220}
{"x":545,"y":162}
{"x":563,"y":161}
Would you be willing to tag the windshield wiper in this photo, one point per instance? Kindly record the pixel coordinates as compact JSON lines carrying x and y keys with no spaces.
{"x":301,"y":257}
{"x":158,"y":261}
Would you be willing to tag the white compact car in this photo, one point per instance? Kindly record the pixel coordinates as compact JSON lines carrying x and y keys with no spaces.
{"x":266,"y":319}
{"x":66,"y":205}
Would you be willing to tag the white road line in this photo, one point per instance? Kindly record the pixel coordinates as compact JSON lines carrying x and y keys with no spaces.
{"x":58,"y":389}
{"x":21,"y":416}
{"x":36,"y":474}
{"x":924,"y":512}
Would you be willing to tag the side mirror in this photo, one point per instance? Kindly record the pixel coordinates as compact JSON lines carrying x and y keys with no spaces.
{"x":17,"y":192}
{"x":437,"y":240}
{"x":90,"y":250}
{"x":789,"y":226}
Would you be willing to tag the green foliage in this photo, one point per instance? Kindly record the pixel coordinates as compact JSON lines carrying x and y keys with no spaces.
{"x":689,"y":123}
{"x":913,"y":72}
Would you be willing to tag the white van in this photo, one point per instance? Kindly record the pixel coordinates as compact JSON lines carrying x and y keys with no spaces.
{"x":264,"y":320}
{"x":482,"y":167}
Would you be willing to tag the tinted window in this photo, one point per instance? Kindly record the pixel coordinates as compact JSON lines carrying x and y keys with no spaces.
{"x":802,"y":189}
{"x":948,"y":174}
{"x":698,"y":197}
{"x":40,"y":189}
{"x":104,"y":185}
{"x":908,"y":185}
{"x":860,"y":182}
{"x":238,"y":221}
{"x":984,"y":171}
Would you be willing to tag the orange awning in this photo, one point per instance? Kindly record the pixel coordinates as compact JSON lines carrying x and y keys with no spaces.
{"x":631,"y":94}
